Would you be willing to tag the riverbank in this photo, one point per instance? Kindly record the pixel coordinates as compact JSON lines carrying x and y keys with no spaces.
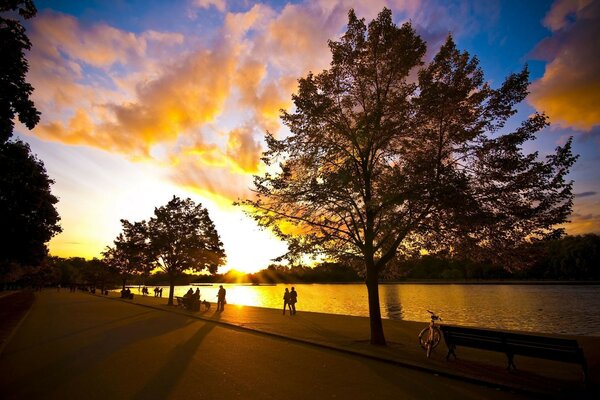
{"x":60,"y":323}
{"x":351,"y":334}
{"x":489,"y":282}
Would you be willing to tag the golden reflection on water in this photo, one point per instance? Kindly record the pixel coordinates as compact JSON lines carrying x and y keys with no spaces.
{"x":568,"y":309}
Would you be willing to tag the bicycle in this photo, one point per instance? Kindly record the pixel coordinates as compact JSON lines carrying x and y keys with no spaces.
{"x":430,"y":337}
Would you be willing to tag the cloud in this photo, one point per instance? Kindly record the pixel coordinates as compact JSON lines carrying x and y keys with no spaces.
{"x":585,"y":194}
{"x":569,"y":91}
{"x":220,"y":5}
{"x":198,"y":106}
{"x":583,"y":223}
{"x":244,"y":149}
{"x":100,"y":45}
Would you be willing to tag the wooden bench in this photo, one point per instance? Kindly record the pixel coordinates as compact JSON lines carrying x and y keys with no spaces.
{"x":511,"y":344}
{"x":188,"y":304}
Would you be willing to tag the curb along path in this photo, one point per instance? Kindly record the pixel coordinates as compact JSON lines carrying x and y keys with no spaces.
{"x":350,"y":335}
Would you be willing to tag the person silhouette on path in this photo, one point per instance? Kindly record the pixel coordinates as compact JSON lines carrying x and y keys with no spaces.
{"x":221,"y":298}
{"x":293,"y":300}
{"x":286,"y":301}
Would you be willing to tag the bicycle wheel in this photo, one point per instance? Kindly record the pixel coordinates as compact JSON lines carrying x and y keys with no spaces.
{"x":437,"y":336}
{"x":423,"y":338}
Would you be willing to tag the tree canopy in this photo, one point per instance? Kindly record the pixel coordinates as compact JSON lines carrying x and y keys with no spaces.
{"x":27,"y":214}
{"x":14,"y":89}
{"x":28,"y":218}
{"x":129,"y":256}
{"x":179,"y":237}
{"x":390,"y":155}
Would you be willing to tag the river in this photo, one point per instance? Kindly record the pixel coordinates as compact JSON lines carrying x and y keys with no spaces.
{"x":565,"y":309}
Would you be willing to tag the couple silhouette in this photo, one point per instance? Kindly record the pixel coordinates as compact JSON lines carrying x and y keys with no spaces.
{"x":289,"y":300}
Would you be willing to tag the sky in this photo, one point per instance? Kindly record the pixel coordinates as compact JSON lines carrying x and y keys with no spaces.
{"x":144,"y":99}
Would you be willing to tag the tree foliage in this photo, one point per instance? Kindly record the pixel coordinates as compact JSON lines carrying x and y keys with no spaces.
{"x":179,"y":238}
{"x":27,"y":214}
{"x":389,"y":156}
{"x":28,"y":218}
{"x":14,"y":89}
{"x":569,"y":258}
{"x":129,"y":256}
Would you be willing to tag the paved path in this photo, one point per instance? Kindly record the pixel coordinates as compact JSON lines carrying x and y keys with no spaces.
{"x":351,"y":334}
{"x":75,"y":345}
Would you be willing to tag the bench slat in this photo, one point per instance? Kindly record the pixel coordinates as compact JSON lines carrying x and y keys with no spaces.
{"x":556,"y":349}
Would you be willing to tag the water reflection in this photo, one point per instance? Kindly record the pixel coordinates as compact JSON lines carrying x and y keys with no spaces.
{"x":391,"y":301}
{"x":567,"y":309}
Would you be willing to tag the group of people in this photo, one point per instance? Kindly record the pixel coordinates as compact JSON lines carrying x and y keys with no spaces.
{"x":191,"y":300}
{"x":290,"y":298}
{"x":157,"y":291}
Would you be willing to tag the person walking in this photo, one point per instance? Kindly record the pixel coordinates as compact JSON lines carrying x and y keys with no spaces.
{"x":221,"y":298}
{"x":293,"y":300}
{"x":286,"y":301}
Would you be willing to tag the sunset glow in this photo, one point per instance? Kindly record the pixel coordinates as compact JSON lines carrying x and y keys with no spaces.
{"x":143,"y":100}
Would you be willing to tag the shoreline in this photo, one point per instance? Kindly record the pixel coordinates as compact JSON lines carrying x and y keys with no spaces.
{"x":347,"y":336}
{"x":402,"y":282}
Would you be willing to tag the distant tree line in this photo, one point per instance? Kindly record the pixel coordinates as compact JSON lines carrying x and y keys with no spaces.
{"x":569,"y":258}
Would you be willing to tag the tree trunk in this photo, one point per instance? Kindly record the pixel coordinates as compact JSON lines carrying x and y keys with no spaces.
{"x":171,"y":289}
{"x":124,"y":281}
{"x":372,"y":281}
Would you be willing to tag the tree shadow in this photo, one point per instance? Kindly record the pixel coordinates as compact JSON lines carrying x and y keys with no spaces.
{"x":102,"y":345}
{"x":161,"y":384}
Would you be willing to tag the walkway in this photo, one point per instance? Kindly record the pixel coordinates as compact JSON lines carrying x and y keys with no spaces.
{"x":74,"y":345}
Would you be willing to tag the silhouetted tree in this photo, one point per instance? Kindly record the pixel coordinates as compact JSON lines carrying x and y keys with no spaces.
{"x":182,"y":237}
{"x":28,"y":218}
{"x":571,"y":257}
{"x":381,"y":162}
{"x":130,"y":254}
{"x":14,"y":89}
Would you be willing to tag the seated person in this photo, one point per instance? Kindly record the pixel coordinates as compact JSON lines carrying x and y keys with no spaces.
{"x":188,"y":299}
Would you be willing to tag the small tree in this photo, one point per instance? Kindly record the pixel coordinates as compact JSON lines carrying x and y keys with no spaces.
{"x":130,"y":254}
{"x":181,"y":237}
{"x":382,"y":162}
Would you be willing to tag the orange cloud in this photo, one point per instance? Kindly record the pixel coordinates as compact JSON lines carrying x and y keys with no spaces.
{"x":100,"y":45}
{"x":569,"y":91}
{"x":199,"y":107}
{"x":244,"y":150}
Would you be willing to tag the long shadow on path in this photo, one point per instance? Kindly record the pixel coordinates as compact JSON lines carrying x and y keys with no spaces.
{"x":163,"y":382}
{"x":64,"y":354}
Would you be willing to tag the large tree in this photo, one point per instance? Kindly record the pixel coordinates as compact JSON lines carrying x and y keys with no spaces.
{"x":14,"y":89}
{"x":389,"y":155}
{"x":28,"y":218}
{"x":182,"y":237}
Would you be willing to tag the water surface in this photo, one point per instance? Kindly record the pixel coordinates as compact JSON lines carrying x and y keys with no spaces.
{"x":565,"y":309}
